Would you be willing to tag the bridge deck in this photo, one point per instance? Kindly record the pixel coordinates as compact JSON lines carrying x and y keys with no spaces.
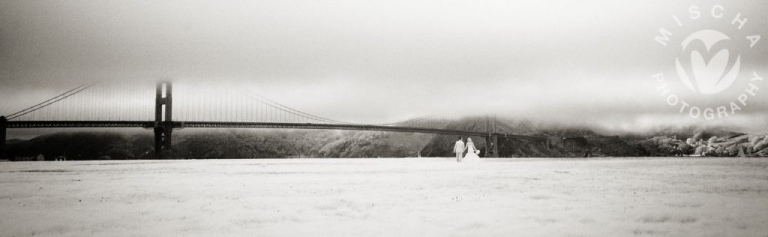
{"x":201,"y":124}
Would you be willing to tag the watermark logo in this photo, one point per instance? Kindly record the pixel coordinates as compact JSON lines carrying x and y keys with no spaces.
{"x":709,"y":75}
{"x":708,"y":60}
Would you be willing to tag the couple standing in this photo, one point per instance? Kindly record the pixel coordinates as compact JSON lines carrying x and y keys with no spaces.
{"x":460,"y":148}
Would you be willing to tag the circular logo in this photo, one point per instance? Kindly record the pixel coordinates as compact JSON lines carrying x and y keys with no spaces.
{"x":709,"y":76}
{"x":708,"y":60}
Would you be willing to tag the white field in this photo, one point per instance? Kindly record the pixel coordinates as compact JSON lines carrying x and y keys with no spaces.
{"x":386,"y":197}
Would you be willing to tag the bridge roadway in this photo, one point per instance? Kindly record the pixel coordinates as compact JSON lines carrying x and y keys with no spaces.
{"x":200,"y":124}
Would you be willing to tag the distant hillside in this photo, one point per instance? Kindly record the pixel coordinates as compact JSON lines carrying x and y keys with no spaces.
{"x":705,"y":143}
{"x":84,"y":145}
{"x":583,"y":141}
{"x":333,"y":144}
{"x":668,"y":141}
{"x":224,"y":144}
{"x":13,"y":141}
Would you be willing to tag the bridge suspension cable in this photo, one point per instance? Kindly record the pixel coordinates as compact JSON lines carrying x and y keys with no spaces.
{"x":50,"y":101}
{"x":417,"y":119}
{"x":428,"y":121}
{"x":276,"y":105}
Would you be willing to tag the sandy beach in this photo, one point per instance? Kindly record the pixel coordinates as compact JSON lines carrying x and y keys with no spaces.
{"x":387,"y":197}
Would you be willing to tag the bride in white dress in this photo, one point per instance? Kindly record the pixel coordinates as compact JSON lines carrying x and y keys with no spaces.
{"x":472,"y":151}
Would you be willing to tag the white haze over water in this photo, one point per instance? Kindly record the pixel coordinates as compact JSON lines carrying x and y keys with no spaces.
{"x":558,"y":62}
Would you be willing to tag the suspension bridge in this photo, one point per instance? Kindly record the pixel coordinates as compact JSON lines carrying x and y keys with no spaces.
{"x":98,"y":106}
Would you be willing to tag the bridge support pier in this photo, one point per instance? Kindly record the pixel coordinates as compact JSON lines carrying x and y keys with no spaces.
{"x":495,"y":147}
{"x":492,"y":140}
{"x":163,"y":117}
{"x":492,"y":146}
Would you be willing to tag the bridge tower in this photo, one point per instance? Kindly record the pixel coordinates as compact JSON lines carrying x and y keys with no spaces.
{"x":163,"y":117}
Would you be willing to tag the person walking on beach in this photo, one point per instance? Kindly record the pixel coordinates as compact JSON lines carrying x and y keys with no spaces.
{"x":459,"y":149}
{"x":472,"y":151}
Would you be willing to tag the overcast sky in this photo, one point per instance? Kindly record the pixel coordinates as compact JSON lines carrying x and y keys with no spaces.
{"x":574,"y":62}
